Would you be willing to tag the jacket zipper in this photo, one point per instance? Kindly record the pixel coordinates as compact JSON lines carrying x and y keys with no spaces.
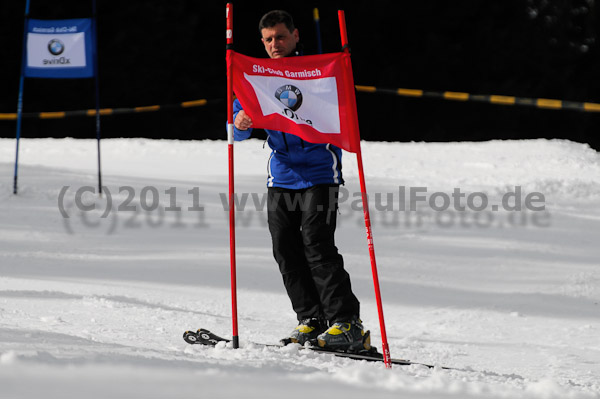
{"x":286,"y":143}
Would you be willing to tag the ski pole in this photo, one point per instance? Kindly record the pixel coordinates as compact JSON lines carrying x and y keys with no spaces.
{"x":363,"y":189}
{"x":230,"y":140}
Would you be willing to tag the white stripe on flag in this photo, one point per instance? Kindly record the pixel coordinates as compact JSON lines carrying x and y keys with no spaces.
{"x":317,"y":100}
{"x":72,"y":50}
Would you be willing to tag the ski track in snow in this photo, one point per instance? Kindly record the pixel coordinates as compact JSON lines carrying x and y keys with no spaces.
{"x":96,"y":306}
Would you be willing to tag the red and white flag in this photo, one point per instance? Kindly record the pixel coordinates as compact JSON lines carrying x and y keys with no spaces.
{"x":308,"y":96}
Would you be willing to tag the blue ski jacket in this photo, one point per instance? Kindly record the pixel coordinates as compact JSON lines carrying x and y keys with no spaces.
{"x":295,"y":163}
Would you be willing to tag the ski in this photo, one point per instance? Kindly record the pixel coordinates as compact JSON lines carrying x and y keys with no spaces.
{"x":208,"y":338}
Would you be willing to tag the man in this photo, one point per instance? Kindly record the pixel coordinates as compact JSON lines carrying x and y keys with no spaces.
{"x":303,"y":185}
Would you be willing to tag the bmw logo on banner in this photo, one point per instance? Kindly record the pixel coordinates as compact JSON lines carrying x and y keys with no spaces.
{"x":59,"y":49}
{"x":56,"y":47}
{"x":290,"y":96}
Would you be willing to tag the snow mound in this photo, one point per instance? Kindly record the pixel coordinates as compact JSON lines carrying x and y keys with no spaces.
{"x":95,"y":293}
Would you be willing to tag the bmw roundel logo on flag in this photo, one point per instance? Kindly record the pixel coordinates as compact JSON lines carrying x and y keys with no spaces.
{"x":59,"y":48}
{"x":290,"y":96}
{"x":56,"y":47}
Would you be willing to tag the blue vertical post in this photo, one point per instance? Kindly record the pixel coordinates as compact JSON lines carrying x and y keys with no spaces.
{"x":318,"y":29}
{"x":97,"y":79}
{"x":20,"y":100}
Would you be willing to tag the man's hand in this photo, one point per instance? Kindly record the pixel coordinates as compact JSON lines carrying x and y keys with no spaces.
{"x":242,"y":121}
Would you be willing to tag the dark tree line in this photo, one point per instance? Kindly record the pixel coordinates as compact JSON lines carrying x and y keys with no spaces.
{"x":161,"y":52}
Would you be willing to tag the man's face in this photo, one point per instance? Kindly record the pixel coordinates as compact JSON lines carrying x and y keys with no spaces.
{"x":279,"y":41}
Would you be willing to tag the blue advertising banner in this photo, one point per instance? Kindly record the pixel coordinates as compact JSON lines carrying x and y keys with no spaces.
{"x":59,"y":49}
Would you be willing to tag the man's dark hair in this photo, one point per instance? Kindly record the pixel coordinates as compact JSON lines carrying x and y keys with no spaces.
{"x":275,"y":17}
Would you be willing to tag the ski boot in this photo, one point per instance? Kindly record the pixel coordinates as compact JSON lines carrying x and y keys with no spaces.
{"x":347,"y":336}
{"x":306,"y":331}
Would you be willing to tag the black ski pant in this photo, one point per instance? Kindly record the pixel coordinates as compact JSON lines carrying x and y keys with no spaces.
{"x":302,"y":225}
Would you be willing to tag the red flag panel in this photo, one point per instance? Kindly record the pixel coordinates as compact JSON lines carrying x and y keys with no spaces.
{"x":309,"y":96}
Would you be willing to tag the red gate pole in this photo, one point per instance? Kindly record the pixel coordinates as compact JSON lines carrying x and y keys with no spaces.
{"x":365,"y":202}
{"x":229,"y":47}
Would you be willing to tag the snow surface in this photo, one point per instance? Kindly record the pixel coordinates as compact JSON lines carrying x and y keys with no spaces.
{"x":94,"y":305}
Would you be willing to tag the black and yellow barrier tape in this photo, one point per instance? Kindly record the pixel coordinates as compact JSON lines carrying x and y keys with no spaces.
{"x":107,"y":111}
{"x":545,"y":103}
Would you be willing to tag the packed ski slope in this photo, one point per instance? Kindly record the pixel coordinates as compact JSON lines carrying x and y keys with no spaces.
{"x":93,"y":302}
